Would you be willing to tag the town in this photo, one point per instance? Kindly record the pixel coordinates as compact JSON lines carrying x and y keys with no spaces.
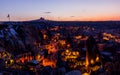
{"x":44,"y":47}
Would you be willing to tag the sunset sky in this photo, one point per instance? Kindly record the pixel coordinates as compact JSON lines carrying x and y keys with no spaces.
{"x":68,"y":10}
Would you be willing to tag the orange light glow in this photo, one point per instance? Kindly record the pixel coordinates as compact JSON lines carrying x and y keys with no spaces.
{"x":78,"y":37}
{"x":87,"y":60}
{"x":48,"y":62}
{"x":51,"y":48}
{"x":62,"y":42}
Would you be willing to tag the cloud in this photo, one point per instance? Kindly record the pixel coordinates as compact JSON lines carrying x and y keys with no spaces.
{"x":72,"y":16}
{"x":47,"y":12}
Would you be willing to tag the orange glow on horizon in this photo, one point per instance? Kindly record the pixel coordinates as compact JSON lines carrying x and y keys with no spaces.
{"x":94,"y":18}
{"x":97,"y":18}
